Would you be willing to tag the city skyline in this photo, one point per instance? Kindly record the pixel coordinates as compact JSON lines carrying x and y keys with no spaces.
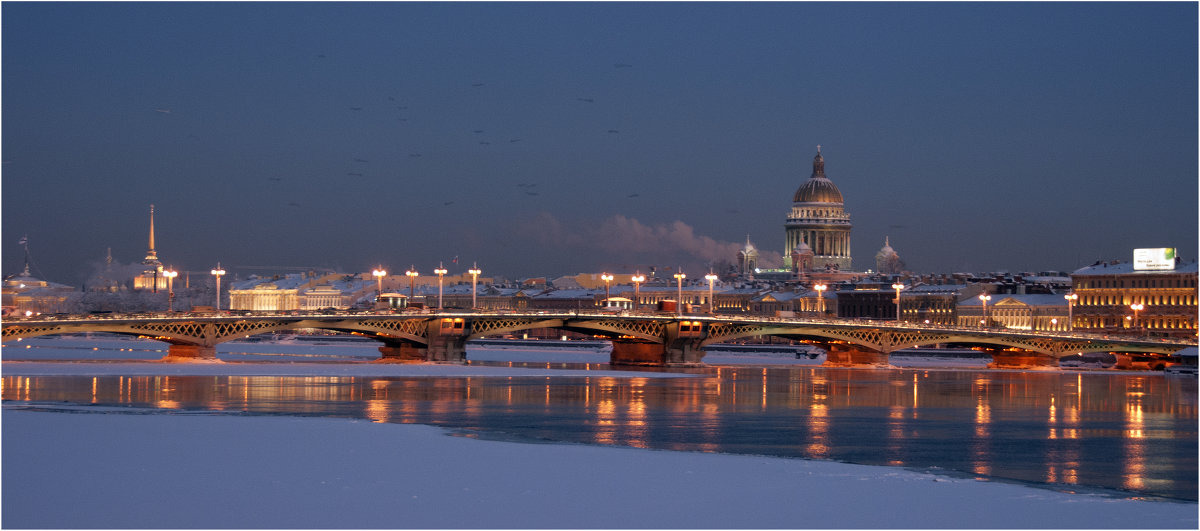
{"x":538,"y":139}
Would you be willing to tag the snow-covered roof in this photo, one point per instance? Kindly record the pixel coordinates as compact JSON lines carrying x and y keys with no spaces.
{"x":1030,"y":299}
{"x":1126,"y":268}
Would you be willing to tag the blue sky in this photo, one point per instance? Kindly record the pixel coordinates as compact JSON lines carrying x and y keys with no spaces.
{"x":541,"y":138}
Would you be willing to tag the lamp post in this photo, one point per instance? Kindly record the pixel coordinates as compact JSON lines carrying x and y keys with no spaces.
{"x":1136,"y":308}
{"x":606,"y":278}
{"x":897,"y":286}
{"x":637,"y":279}
{"x":379,"y":274}
{"x":412,"y":280}
{"x":217,"y":273}
{"x":170,"y":274}
{"x":821,"y":298}
{"x":440,"y":271}
{"x":1071,"y":298}
{"x":679,"y":302}
{"x":474,"y":271}
{"x":710,"y":277}
{"x":984,"y":299}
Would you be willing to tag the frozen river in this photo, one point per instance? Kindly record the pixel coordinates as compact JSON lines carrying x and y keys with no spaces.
{"x":1119,"y":433}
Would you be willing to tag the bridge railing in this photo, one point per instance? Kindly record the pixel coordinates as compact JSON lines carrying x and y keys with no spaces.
{"x":598,"y":314}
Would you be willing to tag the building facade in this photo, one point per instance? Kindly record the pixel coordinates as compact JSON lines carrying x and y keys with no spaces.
{"x":1106,"y":292}
{"x":1032,"y":312}
{"x":818,"y":224}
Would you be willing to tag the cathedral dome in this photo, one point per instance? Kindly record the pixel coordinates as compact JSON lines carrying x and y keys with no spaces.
{"x":818,"y":189}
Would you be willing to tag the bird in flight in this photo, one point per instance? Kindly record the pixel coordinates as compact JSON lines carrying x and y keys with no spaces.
{"x":164,"y":111}
{"x":613,"y":131}
{"x":632,"y":195}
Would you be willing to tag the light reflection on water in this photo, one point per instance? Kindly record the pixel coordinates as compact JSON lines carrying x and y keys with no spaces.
{"x":1114,"y":431}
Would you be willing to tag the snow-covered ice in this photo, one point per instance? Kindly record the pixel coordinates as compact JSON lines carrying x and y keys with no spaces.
{"x":63,"y":470}
{"x":91,"y":467}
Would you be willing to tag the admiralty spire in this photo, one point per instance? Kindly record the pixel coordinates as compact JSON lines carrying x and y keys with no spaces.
{"x":151,"y":278}
{"x":818,"y":223}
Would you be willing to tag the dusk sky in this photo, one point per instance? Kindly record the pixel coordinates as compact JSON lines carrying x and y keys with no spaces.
{"x":546,"y":139}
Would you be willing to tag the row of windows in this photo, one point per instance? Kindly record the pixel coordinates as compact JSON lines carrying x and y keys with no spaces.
{"x":1149,"y":300}
{"x":1139,"y":283}
{"x":1160,"y":323}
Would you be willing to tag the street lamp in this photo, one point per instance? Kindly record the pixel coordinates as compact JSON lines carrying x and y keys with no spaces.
{"x":379,"y":274}
{"x":217,"y":273}
{"x":170,"y":274}
{"x":474,"y":271}
{"x":821,"y":298}
{"x":412,"y":279}
{"x":710,"y":277}
{"x":440,"y":271}
{"x":985,"y":298}
{"x":1071,"y":298}
{"x":637,"y":285}
{"x":606,"y":278}
{"x":679,"y":303}
{"x":897,"y":286}
{"x":1136,"y":308}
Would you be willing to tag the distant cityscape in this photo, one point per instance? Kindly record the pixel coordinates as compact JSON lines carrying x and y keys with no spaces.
{"x":1152,"y":292}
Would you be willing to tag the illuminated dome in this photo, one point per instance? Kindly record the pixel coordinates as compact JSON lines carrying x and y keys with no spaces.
{"x":817,"y":223}
{"x":818,"y":189}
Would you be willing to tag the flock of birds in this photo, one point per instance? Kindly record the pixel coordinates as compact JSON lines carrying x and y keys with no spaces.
{"x":527,"y":188}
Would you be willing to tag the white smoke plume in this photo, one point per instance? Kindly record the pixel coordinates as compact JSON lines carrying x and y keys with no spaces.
{"x":624,"y":239}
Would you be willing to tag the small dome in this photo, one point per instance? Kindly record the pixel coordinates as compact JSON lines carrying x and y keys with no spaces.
{"x":887,"y":247}
{"x":818,"y":189}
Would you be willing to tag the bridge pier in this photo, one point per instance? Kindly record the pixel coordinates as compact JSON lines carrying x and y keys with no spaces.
{"x":401,"y":353}
{"x":1021,"y":359}
{"x":847,"y":355}
{"x":191,"y":352}
{"x":447,"y":349}
{"x":654,"y":354}
{"x":637,"y":353}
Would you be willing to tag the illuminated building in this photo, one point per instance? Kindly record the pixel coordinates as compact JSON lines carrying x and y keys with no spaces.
{"x":1106,"y":291}
{"x":887,"y":261}
{"x":299,"y":292}
{"x":151,"y":278}
{"x":935,"y":304}
{"x":1034,"y":312}
{"x":819,"y":222}
{"x":23,"y":293}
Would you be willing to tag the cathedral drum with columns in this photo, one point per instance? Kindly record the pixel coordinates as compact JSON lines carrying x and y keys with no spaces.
{"x":818,"y":227}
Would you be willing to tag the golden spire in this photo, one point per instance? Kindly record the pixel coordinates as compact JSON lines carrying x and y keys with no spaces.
{"x":151,"y":255}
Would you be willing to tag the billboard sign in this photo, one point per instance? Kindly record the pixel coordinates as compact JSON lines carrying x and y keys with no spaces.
{"x":1162,"y":259}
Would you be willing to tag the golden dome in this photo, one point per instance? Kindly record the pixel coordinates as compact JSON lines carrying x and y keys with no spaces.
{"x":818,"y":189}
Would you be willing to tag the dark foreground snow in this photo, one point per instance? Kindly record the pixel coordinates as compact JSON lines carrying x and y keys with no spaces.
{"x":89,"y":470}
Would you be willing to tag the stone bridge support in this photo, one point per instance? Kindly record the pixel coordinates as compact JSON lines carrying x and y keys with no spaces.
{"x":446,"y":343}
{"x":680,"y":346}
{"x":850,"y":355}
{"x":1020,"y":359}
{"x":190,"y":352}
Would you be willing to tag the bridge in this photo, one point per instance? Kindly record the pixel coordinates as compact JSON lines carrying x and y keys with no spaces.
{"x":637,"y":338}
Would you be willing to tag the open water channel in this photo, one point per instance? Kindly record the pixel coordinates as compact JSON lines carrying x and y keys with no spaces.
{"x":1120,"y":433}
